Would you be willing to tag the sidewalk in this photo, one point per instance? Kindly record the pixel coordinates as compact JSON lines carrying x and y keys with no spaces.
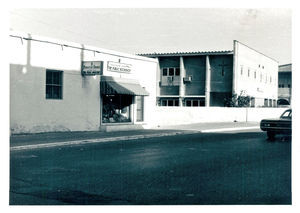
{"x":24,"y":141}
{"x":206,"y":127}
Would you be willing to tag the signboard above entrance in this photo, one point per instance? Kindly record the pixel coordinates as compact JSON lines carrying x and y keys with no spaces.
{"x":119,"y":67}
{"x":92,"y":68}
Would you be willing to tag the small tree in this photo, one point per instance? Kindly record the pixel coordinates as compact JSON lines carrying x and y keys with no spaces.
{"x":235,"y":100}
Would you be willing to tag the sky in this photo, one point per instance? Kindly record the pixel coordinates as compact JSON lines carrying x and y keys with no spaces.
{"x":161,"y":30}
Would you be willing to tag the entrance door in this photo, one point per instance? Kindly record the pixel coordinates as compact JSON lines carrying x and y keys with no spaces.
{"x":139,"y":108}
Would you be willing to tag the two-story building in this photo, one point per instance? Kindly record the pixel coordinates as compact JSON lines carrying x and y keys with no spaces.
{"x":198,"y":79}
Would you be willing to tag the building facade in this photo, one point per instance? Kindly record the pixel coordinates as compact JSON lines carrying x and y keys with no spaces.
{"x":198,"y":79}
{"x":64,"y":86}
{"x":285,"y":84}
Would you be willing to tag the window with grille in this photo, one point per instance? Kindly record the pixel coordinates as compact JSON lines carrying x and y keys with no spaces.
{"x":54,"y":83}
{"x":195,"y":102}
{"x":170,"y":102}
{"x":171,"y":71}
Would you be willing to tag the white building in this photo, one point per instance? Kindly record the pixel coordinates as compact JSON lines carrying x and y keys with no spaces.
{"x":63,"y":86}
{"x":255,"y":74}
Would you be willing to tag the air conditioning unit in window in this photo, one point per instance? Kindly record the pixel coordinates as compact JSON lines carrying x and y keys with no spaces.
{"x":187,"y":79}
{"x":170,"y":78}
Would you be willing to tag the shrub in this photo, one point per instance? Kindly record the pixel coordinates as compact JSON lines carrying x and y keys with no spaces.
{"x":235,"y":100}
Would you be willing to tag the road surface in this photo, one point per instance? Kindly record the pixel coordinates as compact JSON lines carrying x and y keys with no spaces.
{"x":203,"y":168}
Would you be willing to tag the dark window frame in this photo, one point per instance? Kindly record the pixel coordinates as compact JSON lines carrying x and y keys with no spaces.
{"x":174,"y":70}
{"x":177,"y":71}
{"x":165,"y":71}
{"x":54,"y":84}
{"x":195,"y":102}
{"x":170,"y":102}
{"x":116,"y":109}
{"x":171,"y":71}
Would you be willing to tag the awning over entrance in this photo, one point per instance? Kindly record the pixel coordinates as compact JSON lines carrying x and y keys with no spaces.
{"x":112,"y":85}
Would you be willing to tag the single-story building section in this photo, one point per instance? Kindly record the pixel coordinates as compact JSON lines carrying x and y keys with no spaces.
{"x":64,"y":86}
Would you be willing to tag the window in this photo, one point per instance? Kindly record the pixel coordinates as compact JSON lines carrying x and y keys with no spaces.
{"x":289,"y":86}
{"x":164,"y":102}
{"x":248,"y":72}
{"x":197,"y":102}
{"x":165,"y":71}
{"x":116,"y":108}
{"x":266,"y":102}
{"x":270,"y":102}
{"x":171,"y":71}
{"x":177,"y":71}
{"x":261,"y":77}
{"x":54,"y":84}
{"x":255,"y":74}
{"x":241,"y":70}
{"x":169,"y":102}
{"x":176,"y":102}
{"x":286,"y":114}
{"x":188,"y":103}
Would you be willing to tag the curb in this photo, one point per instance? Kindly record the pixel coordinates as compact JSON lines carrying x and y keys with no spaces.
{"x":230,"y":129}
{"x":125,"y":138}
{"x":101,"y":140}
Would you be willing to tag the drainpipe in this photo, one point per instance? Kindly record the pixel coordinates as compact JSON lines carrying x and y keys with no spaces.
{"x":182,"y":85}
{"x":207,"y":82}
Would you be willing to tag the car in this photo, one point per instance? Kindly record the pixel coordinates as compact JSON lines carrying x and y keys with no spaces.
{"x":281,"y":125}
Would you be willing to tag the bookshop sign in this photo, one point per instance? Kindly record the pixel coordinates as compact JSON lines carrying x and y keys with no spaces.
{"x":118,"y":67}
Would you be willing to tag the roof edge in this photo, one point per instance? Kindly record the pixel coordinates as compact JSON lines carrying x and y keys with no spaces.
{"x":224,"y":52}
{"x":256,"y":51}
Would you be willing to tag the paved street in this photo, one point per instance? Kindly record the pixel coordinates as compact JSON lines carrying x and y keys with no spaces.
{"x":202,"y":168}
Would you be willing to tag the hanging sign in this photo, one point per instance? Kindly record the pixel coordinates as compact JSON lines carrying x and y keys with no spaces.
{"x":118,"y":67}
{"x":92,"y":68}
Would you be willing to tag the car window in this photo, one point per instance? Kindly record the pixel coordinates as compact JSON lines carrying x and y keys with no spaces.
{"x":286,"y":114}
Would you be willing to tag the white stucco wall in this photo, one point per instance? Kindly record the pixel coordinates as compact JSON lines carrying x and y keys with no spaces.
{"x":79,"y":110}
{"x":186,"y":115}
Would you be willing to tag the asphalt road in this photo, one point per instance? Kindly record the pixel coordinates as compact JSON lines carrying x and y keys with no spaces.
{"x":204,"y":168}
